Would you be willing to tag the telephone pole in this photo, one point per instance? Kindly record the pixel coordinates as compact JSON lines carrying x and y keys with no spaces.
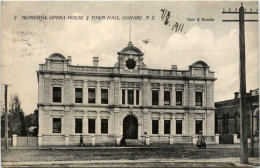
{"x":242,"y":74}
{"x":6,"y":115}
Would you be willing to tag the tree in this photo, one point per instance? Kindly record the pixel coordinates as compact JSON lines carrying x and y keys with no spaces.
{"x":31,"y":123}
{"x":16,"y":121}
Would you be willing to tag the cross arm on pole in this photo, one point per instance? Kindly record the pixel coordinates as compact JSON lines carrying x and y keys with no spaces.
{"x":238,"y":20}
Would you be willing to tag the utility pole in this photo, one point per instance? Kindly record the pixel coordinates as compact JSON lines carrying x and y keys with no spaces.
{"x":6,"y":117}
{"x":242,"y":74}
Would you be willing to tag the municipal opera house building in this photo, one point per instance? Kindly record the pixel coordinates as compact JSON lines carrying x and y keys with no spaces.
{"x":130,"y":99}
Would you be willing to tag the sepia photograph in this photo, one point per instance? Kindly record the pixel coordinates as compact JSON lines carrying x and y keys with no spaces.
{"x":129,"y":84}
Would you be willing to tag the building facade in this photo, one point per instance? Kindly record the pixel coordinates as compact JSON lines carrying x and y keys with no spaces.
{"x":104,"y":103}
{"x":228,"y":114}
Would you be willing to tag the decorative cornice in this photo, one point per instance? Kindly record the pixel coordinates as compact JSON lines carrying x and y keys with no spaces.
{"x":92,"y":83}
{"x":155,"y":85}
{"x":131,"y":84}
{"x":58,"y":82}
{"x":105,"y":84}
{"x":199,"y":87}
{"x":78,"y":83}
{"x":179,"y":86}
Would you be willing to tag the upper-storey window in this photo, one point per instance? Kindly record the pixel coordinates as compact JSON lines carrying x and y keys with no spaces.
{"x":78,"y":95}
{"x":167,"y":97}
{"x":130,"y":96}
{"x":104,"y":96}
{"x":91,"y":96}
{"x":137,"y":97}
{"x":178,"y":98}
{"x":198,"y":99}
{"x":123,"y":96}
{"x":56,"y":94}
{"x":155,"y":97}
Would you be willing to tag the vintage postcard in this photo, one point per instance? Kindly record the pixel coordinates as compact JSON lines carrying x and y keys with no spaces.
{"x":129,"y":83}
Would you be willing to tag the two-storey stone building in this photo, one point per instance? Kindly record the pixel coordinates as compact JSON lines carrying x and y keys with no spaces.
{"x":104,"y":103}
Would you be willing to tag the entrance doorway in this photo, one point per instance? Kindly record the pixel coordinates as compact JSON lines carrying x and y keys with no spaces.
{"x":130,"y":127}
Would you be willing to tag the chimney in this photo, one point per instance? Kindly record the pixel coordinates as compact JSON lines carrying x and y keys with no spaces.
{"x":174,"y":67}
{"x":69,"y":58}
{"x":95,"y":61}
{"x":236,"y":95}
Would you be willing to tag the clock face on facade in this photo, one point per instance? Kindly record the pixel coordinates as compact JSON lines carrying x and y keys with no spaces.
{"x":130,"y":63}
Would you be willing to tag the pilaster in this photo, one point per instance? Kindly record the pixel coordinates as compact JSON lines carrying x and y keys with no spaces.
{"x":161,"y":95}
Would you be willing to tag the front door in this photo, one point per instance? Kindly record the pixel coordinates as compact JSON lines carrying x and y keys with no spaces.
{"x":130,"y":127}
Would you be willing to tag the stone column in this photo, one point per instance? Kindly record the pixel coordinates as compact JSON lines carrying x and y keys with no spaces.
{"x":14,"y":139}
{"x":111,"y":92}
{"x":85,"y":123}
{"x":85,"y":92}
{"x":173,"y":125}
{"x":98,"y":123}
{"x":191,"y":94}
{"x":173,"y":96}
{"x":116,"y":91}
{"x":144,"y":94}
{"x":116,"y":121}
{"x":185,"y":94}
{"x":161,"y":124}
{"x":126,"y":98}
{"x":47,"y":89}
{"x":98,"y":93}
{"x":161,"y":95}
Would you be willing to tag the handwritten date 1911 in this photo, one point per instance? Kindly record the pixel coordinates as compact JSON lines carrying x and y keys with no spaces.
{"x":166,"y":15}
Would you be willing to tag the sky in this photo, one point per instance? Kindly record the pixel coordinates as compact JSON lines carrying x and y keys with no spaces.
{"x":27,"y":42}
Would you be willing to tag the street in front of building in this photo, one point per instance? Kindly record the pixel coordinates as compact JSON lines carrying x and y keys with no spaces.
{"x":177,"y":155}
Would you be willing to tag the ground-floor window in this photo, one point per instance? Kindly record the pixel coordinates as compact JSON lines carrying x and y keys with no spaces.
{"x":56,"y":125}
{"x":104,"y":126}
{"x":155,"y":126}
{"x":198,"y":127}
{"x":167,"y":126}
{"x":78,"y":125}
{"x":178,"y":126}
{"x":91,"y":125}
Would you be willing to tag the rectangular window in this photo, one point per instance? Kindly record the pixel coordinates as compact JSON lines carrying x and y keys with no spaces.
{"x":137,"y":97}
{"x":167,"y":97}
{"x":104,"y":126}
{"x":78,"y":95}
{"x":91,"y":126}
{"x":78,"y":125}
{"x":104,"y":96}
{"x":167,"y":126}
{"x":155,"y":126}
{"x":178,"y":126}
{"x":198,"y":98}
{"x":178,"y":98}
{"x":155,"y":97}
{"x":198,"y":127}
{"x":56,"y":125}
{"x":56,"y":94}
{"x":91,"y":95}
{"x":123,"y":96}
{"x":130,"y":96}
